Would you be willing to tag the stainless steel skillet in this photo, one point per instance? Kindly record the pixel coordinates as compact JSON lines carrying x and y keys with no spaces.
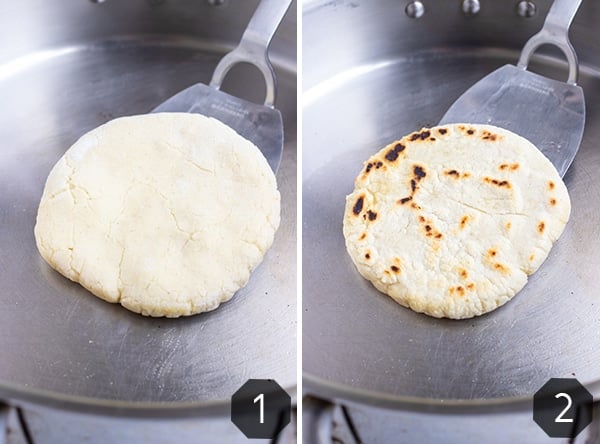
{"x":377,"y":75}
{"x":66,"y":71}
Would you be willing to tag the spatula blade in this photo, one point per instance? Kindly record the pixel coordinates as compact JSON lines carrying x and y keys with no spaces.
{"x":260,"y":124}
{"x":549,"y":113}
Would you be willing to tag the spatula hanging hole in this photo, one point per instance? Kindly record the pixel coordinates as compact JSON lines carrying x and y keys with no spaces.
{"x":555,"y":32}
{"x":549,"y":61}
{"x":245,"y":81}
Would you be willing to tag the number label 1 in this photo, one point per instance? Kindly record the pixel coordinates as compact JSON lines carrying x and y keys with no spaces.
{"x":260,"y":408}
{"x":559,"y":418}
{"x":261,"y":399}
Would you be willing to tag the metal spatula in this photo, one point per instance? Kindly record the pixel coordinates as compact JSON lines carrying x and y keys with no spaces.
{"x":551,"y":114}
{"x":261,"y":124}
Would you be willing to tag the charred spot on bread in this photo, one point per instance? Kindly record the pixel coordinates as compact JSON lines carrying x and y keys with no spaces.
{"x":498,"y":183}
{"x":358,"y":206}
{"x":374,"y":164}
{"x":404,"y":200}
{"x":372,"y":215}
{"x":487,"y":135}
{"x":419,"y":172}
{"x":422,"y":135}
{"x":392,"y":154}
{"x":506,"y":166}
{"x":395,"y":269}
{"x":501,"y":268}
{"x":459,"y":289}
{"x":541,"y":227}
{"x":455,"y":174}
{"x":442,"y":131}
{"x":429,"y":230}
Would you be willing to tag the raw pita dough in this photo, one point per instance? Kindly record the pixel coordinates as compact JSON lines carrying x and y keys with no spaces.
{"x":166,"y":214}
{"x":450,"y":221}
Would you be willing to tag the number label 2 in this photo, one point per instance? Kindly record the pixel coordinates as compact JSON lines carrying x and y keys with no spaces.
{"x":261,"y":399}
{"x":560,"y":418}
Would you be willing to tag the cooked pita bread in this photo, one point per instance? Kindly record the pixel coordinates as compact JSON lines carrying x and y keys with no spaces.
{"x":450,"y":221}
{"x":167,"y":214}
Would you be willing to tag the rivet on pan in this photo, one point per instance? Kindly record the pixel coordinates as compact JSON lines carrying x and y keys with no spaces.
{"x":415,"y":9}
{"x":216,"y":2}
{"x":526,"y":9}
{"x":97,"y":1}
{"x":471,"y":7}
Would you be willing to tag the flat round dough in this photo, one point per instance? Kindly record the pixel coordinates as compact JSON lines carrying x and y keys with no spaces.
{"x":450,"y":221}
{"x":167,"y":213}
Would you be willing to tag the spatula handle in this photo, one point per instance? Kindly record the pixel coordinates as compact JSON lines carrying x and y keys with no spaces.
{"x":561,"y":14}
{"x":253,"y":48}
{"x":555,"y":32}
{"x":317,"y":420}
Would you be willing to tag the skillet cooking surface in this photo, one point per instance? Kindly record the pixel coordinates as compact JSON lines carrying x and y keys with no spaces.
{"x":57,"y":337}
{"x":357,"y":339}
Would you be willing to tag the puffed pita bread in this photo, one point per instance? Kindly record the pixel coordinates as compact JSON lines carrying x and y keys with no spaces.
{"x":450,"y":221}
{"x":167,"y":214}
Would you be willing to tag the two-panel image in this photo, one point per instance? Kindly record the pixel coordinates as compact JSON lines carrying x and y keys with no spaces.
{"x":306,"y":221}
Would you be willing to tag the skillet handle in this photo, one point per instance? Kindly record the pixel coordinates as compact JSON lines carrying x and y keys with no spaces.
{"x":555,"y":32}
{"x":253,"y":48}
{"x":317,"y":420}
{"x":4,"y":411}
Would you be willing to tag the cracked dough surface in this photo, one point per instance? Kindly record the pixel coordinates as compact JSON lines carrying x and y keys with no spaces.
{"x":167,"y":214}
{"x":450,"y":221}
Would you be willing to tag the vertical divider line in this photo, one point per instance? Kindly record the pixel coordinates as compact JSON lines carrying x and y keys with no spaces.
{"x":299,"y":153}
